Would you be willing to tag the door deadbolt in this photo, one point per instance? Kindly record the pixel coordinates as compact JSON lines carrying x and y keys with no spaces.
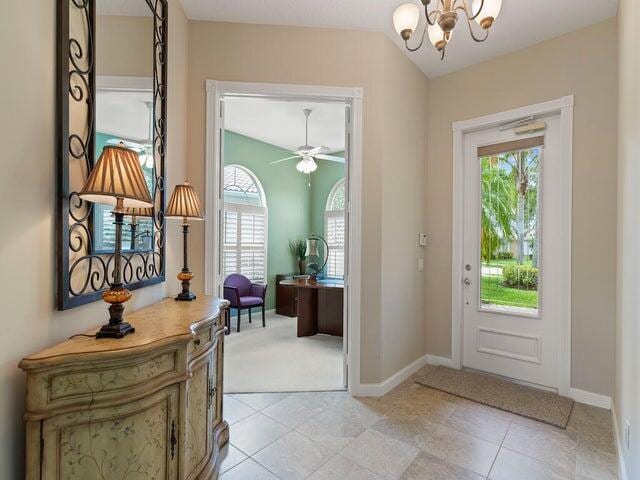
{"x":467,"y":267}
{"x":467,"y":281}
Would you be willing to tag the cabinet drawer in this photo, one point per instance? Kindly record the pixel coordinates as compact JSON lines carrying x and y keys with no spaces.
{"x":92,"y":382}
{"x":202,"y":341}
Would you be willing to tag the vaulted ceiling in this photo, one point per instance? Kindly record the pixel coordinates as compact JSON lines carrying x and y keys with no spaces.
{"x":521,"y":23}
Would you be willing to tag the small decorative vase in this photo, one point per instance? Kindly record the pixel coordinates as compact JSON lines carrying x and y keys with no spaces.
{"x":301,"y":267}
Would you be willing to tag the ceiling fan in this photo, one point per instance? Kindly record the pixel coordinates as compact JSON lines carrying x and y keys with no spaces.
{"x":307,"y":153}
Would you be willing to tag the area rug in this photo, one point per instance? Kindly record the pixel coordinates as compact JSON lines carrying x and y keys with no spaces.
{"x":525,"y":401}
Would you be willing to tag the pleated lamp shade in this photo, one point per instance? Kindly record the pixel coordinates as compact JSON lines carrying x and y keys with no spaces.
{"x":139,"y":212}
{"x":117,"y":175}
{"x":184,"y":203}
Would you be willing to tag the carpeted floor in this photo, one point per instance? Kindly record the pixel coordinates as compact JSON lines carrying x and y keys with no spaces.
{"x":525,"y":401}
{"x":274,"y":359}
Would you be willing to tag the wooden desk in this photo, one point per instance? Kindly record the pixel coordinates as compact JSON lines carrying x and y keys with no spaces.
{"x":320,"y":306}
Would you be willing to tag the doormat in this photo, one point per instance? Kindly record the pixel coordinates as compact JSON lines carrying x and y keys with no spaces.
{"x":511,"y":397}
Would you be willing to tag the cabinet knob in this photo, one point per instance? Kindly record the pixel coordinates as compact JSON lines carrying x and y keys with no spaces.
{"x":196,"y":342}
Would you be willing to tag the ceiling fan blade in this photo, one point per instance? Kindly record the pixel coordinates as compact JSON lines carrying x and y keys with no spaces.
{"x":317,"y":150}
{"x":330,"y":157}
{"x":284,"y":159}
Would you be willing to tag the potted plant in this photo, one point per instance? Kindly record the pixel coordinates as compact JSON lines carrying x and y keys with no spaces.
{"x":299,"y":247}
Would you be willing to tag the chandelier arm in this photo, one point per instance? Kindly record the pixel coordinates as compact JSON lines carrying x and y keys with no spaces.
{"x":465,"y":8}
{"x":429,"y":15}
{"x":473,"y":35}
{"x":406,"y":42}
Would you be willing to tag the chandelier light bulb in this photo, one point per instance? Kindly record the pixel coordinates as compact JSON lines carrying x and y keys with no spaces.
{"x":405,"y":19}
{"x":436,"y":36}
{"x":490,"y":11}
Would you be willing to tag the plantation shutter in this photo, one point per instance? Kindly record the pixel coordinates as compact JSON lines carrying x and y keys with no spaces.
{"x":245,"y":241}
{"x":335,"y":233}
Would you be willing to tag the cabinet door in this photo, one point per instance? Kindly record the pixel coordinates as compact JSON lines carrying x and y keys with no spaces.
{"x":131,"y":440}
{"x":198,"y":426}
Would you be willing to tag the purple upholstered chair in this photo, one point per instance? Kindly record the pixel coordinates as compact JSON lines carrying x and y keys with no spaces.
{"x":243,"y":294}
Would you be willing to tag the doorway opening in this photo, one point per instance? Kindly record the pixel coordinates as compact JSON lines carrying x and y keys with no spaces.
{"x":282,"y":176}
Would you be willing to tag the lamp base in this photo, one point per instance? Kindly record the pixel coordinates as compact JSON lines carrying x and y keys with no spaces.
{"x":186,"y":296}
{"x":115,"y":330}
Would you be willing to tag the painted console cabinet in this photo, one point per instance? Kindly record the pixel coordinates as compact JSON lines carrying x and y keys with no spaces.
{"x":145,"y":406}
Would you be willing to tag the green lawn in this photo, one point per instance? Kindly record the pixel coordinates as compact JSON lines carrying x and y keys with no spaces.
{"x":495,"y":293}
{"x":503,"y":263}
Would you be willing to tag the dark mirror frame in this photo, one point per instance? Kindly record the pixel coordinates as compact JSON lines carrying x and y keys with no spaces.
{"x":83,"y":275}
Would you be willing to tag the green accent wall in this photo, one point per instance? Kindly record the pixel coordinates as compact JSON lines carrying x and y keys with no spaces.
{"x":294,"y":209}
{"x":322,"y":181}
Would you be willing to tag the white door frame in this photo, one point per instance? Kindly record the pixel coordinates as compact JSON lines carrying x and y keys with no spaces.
{"x":215,"y":92}
{"x":563,"y":106}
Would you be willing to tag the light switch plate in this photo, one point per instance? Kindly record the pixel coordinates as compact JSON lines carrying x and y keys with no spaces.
{"x":422,"y":240}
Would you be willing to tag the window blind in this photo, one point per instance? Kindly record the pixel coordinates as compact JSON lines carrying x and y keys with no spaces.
{"x":245,"y":241}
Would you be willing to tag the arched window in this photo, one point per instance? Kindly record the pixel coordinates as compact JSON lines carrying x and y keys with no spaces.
{"x":245,"y":224}
{"x":334,"y":229}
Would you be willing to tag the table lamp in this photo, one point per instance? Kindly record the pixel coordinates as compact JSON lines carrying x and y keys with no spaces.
{"x":117,"y":180}
{"x":184,"y":204}
{"x":313,"y":252}
{"x":134,"y":213}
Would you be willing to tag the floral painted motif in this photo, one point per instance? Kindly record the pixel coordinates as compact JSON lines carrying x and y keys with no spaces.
{"x":97,"y":381}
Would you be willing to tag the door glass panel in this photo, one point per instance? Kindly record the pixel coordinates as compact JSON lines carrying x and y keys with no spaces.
{"x":509,"y":231}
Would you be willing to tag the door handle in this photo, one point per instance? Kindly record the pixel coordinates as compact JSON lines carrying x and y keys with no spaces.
{"x":467,"y":281}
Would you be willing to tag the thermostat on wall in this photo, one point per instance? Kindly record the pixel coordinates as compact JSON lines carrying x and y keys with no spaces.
{"x":422,"y":241}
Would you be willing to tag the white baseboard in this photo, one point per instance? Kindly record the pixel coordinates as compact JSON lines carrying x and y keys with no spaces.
{"x":381,"y":388}
{"x":590,"y":398}
{"x":622,"y":471}
{"x":441,"y":361}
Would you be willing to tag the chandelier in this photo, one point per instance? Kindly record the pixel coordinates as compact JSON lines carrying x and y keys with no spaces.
{"x":441,"y":21}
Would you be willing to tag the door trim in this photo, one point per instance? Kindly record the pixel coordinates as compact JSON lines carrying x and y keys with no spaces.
{"x":217,"y":90}
{"x":563,"y":106}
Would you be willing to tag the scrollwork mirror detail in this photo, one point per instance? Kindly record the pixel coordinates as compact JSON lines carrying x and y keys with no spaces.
{"x":83,"y":270}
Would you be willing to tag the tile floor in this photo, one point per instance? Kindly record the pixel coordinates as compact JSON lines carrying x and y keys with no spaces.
{"x":412,"y":433}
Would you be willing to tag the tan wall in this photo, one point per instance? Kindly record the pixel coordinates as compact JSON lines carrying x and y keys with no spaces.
{"x":582,"y":63}
{"x":404,"y":189}
{"x":627,"y":392}
{"x":27,"y":199}
{"x":114,"y":52}
{"x":271,"y":54}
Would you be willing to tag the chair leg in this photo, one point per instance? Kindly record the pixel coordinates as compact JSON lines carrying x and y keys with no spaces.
{"x":239,"y":314}
{"x":263,"y":324}
{"x":227,"y":321}
{"x":250,"y":314}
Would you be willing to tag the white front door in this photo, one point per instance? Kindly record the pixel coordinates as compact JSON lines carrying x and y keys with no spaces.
{"x":512,"y":273}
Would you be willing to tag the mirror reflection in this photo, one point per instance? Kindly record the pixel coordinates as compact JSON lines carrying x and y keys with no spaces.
{"x":124,"y":110}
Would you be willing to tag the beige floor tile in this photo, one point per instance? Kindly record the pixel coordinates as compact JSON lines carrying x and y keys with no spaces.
{"x":293,"y":457}
{"x":552,"y":446}
{"x":235,"y":411}
{"x":334,"y":428}
{"x":512,"y":465}
{"x":260,"y":401}
{"x":231,"y":457}
{"x":478,"y":423}
{"x":595,"y":464}
{"x":381,"y":454}
{"x":369,"y":404}
{"x":341,"y":468}
{"x":255,"y":432}
{"x":463,"y":450}
{"x":571,"y":433}
{"x":412,"y":430}
{"x":299,"y":408}
{"x":426,"y":406}
{"x":248,"y":470}
{"x":599,"y":416}
{"x":428,"y":467}
{"x":597,"y":437}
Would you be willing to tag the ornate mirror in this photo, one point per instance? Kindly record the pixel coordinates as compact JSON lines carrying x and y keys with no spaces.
{"x":111,"y":91}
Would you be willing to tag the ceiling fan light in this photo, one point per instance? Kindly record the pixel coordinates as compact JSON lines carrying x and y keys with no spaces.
{"x":490,"y":11}
{"x":300,"y":166}
{"x":405,"y":19}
